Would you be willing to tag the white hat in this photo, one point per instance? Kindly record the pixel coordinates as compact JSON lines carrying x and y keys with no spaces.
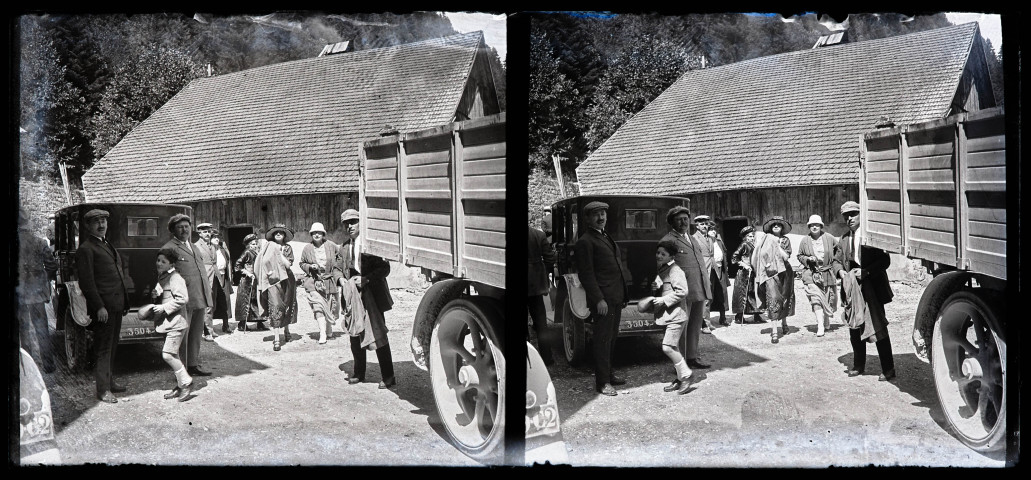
{"x":317,"y":227}
{"x":815,"y":219}
{"x":203,"y":226}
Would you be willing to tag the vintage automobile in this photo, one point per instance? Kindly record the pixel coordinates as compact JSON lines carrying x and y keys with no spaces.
{"x":137,"y":231}
{"x":636,"y":223}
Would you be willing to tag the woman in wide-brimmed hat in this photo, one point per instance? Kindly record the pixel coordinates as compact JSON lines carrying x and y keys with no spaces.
{"x":322,"y":271}
{"x":773,"y":271}
{"x":277,"y":287}
{"x":815,"y":253}
{"x":743,"y":300}
{"x":246,"y":307}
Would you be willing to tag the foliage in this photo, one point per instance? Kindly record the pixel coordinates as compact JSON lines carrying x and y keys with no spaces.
{"x":542,"y":190}
{"x":552,"y":130}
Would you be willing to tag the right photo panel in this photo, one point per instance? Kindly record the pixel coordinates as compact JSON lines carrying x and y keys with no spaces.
{"x":767,"y":241}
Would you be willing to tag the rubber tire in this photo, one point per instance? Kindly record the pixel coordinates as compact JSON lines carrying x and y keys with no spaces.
{"x":76,"y":344}
{"x":574,"y":336}
{"x":933,"y":298}
{"x":482,"y":309}
{"x":995,"y":439}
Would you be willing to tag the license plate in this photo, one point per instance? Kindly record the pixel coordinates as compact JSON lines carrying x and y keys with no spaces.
{"x":542,"y":420}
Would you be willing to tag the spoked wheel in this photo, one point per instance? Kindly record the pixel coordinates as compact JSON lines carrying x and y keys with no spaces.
{"x":574,"y":335}
{"x":969,"y":362}
{"x":76,"y":344}
{"x":467,"y":371}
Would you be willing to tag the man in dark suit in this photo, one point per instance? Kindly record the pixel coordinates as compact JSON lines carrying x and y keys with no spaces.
{"x":99,"y":269}
{"x":869,"y":267}
{"x":369,"y":274}
{"x":190,"y":265}
{"x":701,"y":236}
{"x":541,"y":255}
{"x":690,"y":258}
{"x":601,"y":274}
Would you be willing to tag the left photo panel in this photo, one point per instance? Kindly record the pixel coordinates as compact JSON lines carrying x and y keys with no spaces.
{"x":266,"y":240}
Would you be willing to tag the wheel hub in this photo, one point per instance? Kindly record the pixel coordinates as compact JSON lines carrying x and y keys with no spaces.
{"x":971,"y":369}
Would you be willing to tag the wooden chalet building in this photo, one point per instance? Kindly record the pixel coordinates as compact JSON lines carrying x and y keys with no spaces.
{"x":779,"y":135}
{"x":279,"y":143}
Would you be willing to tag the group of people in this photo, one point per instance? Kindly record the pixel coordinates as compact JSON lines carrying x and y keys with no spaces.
{"x":692,"y":280}
{"x":194,"y":286}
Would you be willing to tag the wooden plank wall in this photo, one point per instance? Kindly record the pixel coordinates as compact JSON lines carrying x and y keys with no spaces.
{"x":296,"y":211}
{"x":883,"y":218}
{"x":984,"y":188}
{"x":380,"y":208}
{"x":427,"y":196}
{"x":482,"y":155}
{"x":930,"y":159}
{"x":795,"y":204}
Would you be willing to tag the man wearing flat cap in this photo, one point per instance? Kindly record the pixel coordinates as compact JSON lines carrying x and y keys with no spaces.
{"x":190,"y":265}
{"x":864,"y":292}
{"x":367,"y":273}
{"x":690,"y":258}
{"x":601,"y":274}
{"x":99,"y":269}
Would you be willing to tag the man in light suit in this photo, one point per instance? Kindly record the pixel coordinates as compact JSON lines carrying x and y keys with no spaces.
{"x":190,"y":265}
{"x":718,"y":274}
{"x":701,"y":234}
{"x":99,"y":269}
{"x":601,"y":274}
{"x":690,"y":258}
{"x":204,"y":245}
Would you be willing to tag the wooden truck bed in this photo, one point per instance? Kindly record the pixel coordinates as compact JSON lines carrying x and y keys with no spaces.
{"x":435,"y":199}
{"x":937,"y":191}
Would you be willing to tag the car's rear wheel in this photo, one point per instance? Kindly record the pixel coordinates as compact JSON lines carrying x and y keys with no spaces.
{"x":968,"y":358}
{"x":76,"y":344}
{"x":574,"y":335}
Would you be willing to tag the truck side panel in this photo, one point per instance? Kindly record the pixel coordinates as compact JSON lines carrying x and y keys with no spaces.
{"x":435,"y":199}
{"x":936,"y":191}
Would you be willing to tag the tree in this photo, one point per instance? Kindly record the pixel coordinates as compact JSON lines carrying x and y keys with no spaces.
{"x":139,"y":88}
{"x":552,"y":128}
{"x":995,"y":71}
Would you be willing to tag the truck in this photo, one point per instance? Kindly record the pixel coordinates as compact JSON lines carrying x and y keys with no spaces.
{"x":435,"y":199}
{"x":936,"y":191}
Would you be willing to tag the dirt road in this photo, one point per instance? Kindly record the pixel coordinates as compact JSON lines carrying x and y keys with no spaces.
{"x":764,"y":405}
{"x":260,"y":407}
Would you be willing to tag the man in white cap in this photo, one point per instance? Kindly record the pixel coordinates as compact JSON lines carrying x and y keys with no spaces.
{"x":369,"y":274}
{"x":815,"y":254}
{"x":863,"y":271}
{"x":99,"y":269}
{"x":601,"y":273}
{"x":204,"y":246}
{"x":701,"y":234}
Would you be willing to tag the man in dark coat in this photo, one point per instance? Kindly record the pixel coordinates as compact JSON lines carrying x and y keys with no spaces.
{"x":690,"y":258}
{"x":99,"y":269}
{"x":541,"y":257}
{"x":601,"y":274}
{"x":190,"y":265}
{"x":369,"y":274}
{"x":36,"y":264}
{"x":869,"y":267}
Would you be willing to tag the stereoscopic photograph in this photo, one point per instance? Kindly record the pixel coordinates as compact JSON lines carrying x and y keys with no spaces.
{"x":285,"y":238}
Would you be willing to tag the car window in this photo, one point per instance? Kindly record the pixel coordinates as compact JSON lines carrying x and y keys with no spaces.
{"x":142,"y":226}
{"x":576,"y":226}
{"x":639,"y":219}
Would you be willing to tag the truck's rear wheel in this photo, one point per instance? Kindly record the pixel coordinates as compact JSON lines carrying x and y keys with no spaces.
{"x":467,"y":371}
{"x":76,"y":344}
{"x":574,"y":335}
{"x":968,"y":358}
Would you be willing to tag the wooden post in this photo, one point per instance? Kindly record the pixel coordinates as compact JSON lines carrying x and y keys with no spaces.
{"x":558,"y":174}
{"x":64,"y":180}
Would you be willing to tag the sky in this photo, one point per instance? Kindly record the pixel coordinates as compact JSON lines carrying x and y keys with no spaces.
{"x":989,"y":24}
{"x":493,"y":27}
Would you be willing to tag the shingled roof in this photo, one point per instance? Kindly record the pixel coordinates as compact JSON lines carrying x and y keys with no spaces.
{"x":282,"y":129}
{"x":784,"y":120}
